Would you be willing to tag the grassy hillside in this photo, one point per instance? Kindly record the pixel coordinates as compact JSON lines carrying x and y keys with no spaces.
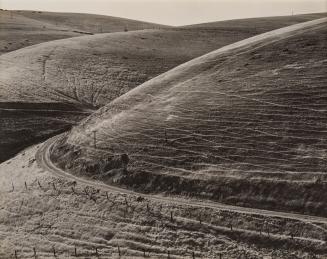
{"x":19,"y":29}
{"x":261,"y":24}
{"x":17,"y":32}
{"x":92,"y":23}
{"x":52,"y":214}
{"x":91,"y":71}
{"x":242,"y":125}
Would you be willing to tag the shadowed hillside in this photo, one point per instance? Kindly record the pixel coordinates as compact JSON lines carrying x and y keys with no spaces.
{"x":242,"y":125}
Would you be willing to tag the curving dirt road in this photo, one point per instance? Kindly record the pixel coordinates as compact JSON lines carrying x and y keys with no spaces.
{"x":44,"y":161}
{"x":43,"y":154}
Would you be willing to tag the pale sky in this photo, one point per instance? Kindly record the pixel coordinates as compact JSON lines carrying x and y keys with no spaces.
{"x":174,"y":12}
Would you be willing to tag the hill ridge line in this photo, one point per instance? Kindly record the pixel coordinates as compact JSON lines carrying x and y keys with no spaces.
{"x":234,"y":46}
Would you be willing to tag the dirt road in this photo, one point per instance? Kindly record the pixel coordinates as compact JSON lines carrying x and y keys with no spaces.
{"x":44,"y":161}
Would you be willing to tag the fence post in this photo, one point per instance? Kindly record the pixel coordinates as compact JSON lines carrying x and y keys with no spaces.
{"x":119,"y":251}
{"x":144,"y":253}
{"x":25,"y":185}
{"x":107,"y":195}
{"x":34,"y":250}
{"x":94,"y":139}
{"x":16,"y":257}
{"x":12,"y":185}
{"x":54,"y":252}
{"x":193,"y":255}
{"x":171,"y":216}
{"x":168,"y":254}
{"x":75,"y":251}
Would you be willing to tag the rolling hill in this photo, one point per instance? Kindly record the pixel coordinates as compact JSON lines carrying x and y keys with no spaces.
{"x":92,"y":23}
{"x":93,"y":70}
{"x":84,"y":73}
{"x":19,"y":29}
{"x":243,"y":125}
{"x":46,"y":216}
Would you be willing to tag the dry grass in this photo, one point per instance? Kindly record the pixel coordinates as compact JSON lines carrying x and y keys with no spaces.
{"x":94,"y":70}
{"x":55,"y":213}
{"x":48,"y":213}
{"x":244,"y":126}
{"x":20,"y":29}
{"x":92,"y":23}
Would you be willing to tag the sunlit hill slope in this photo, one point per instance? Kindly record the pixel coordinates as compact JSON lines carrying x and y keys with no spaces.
{"x":242,"y":125}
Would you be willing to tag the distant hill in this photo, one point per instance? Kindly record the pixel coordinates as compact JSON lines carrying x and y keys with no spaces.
{"x":261,"y":24}
{"x":93,"y":70}
{"x":244,"y":125}
{"x":92,"y":23}
{"x":19,"y":29}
